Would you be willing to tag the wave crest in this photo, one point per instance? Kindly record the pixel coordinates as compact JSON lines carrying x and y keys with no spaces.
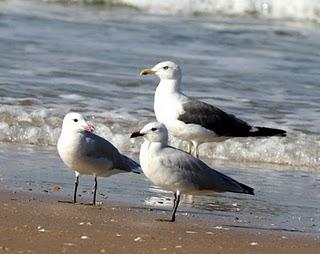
{"x":43,"y":127}
{"x":36,"y":128}
{"x":297,"y":149}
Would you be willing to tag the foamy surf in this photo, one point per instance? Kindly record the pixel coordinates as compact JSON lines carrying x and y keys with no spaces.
{"x":42,"y":127}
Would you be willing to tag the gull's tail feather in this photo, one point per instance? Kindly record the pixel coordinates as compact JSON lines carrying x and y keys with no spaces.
{"x":134,"y":166}
{"x":267,"y":132}
{"x":239,"y":187}
{"x":246,"y":189}
{"x":224,"y":183}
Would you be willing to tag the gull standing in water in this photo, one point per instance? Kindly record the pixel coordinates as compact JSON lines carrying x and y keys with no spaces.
{"x":178,"y":171}
{"x":192,"y":120}
{"x":89,"y":154}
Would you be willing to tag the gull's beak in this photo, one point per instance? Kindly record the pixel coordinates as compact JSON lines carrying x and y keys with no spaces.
{"x":89,"y":128}
{"x":147,"y":72}
{"x":136,"y":134}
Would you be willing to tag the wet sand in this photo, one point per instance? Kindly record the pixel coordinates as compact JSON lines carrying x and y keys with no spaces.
{"x":40,"y":224}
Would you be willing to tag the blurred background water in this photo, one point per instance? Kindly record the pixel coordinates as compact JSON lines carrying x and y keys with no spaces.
{"x":256,"y":59}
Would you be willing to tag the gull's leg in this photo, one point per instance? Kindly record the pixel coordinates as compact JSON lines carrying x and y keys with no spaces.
{"x":196,"y":149}
{"x":95,"y":189}
{"x":189,"y":151}
{"x":76,"y":183}
{"x":176,"y":202}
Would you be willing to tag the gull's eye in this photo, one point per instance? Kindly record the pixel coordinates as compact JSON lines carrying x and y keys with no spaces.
{"x":166,"y":67}
{"x":75,"y":120}
{"x":154,"y":129}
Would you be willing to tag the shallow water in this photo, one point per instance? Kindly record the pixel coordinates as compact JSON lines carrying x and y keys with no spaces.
{"x":57,"y":58}
{"x":275,"y":206}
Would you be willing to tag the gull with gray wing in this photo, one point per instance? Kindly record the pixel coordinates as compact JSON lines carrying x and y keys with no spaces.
{"x":89,"y":154}
{"x":175,"y":170}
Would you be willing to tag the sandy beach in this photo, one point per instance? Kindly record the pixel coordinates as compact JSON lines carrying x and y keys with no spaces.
{"x":40,"y":224}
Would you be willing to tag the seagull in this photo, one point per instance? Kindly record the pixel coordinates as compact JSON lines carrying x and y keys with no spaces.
{"x":177,"y":171}
{"x":192,"y":120}
{"x":89,"y":154}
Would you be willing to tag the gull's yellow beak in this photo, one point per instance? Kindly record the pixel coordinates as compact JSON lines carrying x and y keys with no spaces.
{"x":147,"y":72}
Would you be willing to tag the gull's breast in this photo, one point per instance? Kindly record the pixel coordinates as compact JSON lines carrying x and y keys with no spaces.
{"x":167,"y":108}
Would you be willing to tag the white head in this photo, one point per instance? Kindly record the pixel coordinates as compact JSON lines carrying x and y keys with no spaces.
{"x":165,"y":71}
{"x":153,"y":132}
{"x":74,"y":122}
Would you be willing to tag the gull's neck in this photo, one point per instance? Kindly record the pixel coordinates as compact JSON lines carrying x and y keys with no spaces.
{"x":71,"y":133}
{"x":156,"y":146}
{"x":169,"y":86}
{"x":71,"y":136}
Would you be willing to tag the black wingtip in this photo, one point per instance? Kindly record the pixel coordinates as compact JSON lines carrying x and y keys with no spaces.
{"x":268,"y":132}
{"x":247,"y":189}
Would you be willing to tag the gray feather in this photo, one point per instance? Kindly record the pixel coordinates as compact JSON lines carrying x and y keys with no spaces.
{"x":101,"y":148}
{"x":198,"y":173}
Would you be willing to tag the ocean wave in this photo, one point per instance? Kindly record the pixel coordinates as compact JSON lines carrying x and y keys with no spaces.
{"x":42,"y":127}
{"x":297,"y":149}
{"x":274,"y":9}
{"x":21,"y":127}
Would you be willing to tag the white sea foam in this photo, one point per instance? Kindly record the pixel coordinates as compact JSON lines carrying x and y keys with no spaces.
{"x":37,"y":127}
{"x":297,"y":149}
{"x":43,"y":126}
{"x":74,"y":97}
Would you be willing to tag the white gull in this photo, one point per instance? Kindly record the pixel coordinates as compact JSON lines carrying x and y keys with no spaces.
{"x":192,"y":120}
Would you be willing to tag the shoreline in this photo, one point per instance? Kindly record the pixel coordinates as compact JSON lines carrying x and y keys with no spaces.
{"x":35,"y":223}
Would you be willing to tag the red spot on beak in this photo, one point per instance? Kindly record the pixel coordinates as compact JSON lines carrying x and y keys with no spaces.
{"x":89,"y":128}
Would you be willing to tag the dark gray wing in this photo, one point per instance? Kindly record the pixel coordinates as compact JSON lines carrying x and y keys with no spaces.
{"x":101,"y":148}
{"x":223,"y":124}
{"x":190,"y":169}
{"x":214,"y":119}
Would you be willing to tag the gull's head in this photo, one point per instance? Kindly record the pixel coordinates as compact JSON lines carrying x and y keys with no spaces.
{"x":164,"y":70}
{"x":74,"y":122}
{"x":153,"y":132}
